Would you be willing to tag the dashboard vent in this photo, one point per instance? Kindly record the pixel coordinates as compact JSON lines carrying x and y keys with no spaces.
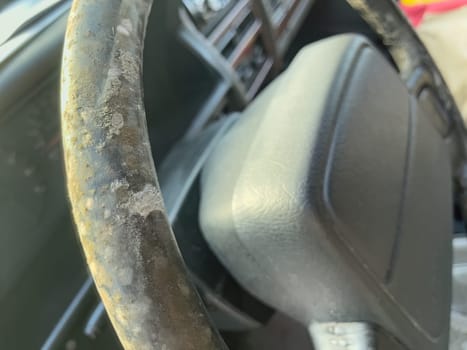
{"x":233,"y":37}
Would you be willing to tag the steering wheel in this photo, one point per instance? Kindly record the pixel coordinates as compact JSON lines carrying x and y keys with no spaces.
{"x":117,"y":204}
{"x":112,"y":183}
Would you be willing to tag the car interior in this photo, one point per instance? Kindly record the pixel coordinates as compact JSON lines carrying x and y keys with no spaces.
{"x":305,"y":176}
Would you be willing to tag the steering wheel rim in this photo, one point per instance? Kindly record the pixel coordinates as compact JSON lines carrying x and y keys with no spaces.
{"x":112,"y":183}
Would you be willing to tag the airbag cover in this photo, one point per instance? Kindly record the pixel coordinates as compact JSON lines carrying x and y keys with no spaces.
{"x":303,"y":200}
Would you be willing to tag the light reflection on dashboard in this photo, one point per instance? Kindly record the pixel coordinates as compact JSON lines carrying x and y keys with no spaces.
{"x":204,"y":12}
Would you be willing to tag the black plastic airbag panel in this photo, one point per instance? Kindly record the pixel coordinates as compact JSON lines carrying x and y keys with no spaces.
{"x":421,"y":275}
{"x":330,"y":199}
{"x":366,"y":163}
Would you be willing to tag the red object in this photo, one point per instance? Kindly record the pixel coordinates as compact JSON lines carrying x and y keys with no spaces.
{"x":415,"y":13}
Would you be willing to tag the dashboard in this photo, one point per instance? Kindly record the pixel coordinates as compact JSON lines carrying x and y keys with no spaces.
{"x":251,"y":35}
{"x":218,"y":55}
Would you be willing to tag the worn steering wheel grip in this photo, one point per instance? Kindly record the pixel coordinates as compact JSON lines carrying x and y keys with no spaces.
{"x":114,"y":193}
